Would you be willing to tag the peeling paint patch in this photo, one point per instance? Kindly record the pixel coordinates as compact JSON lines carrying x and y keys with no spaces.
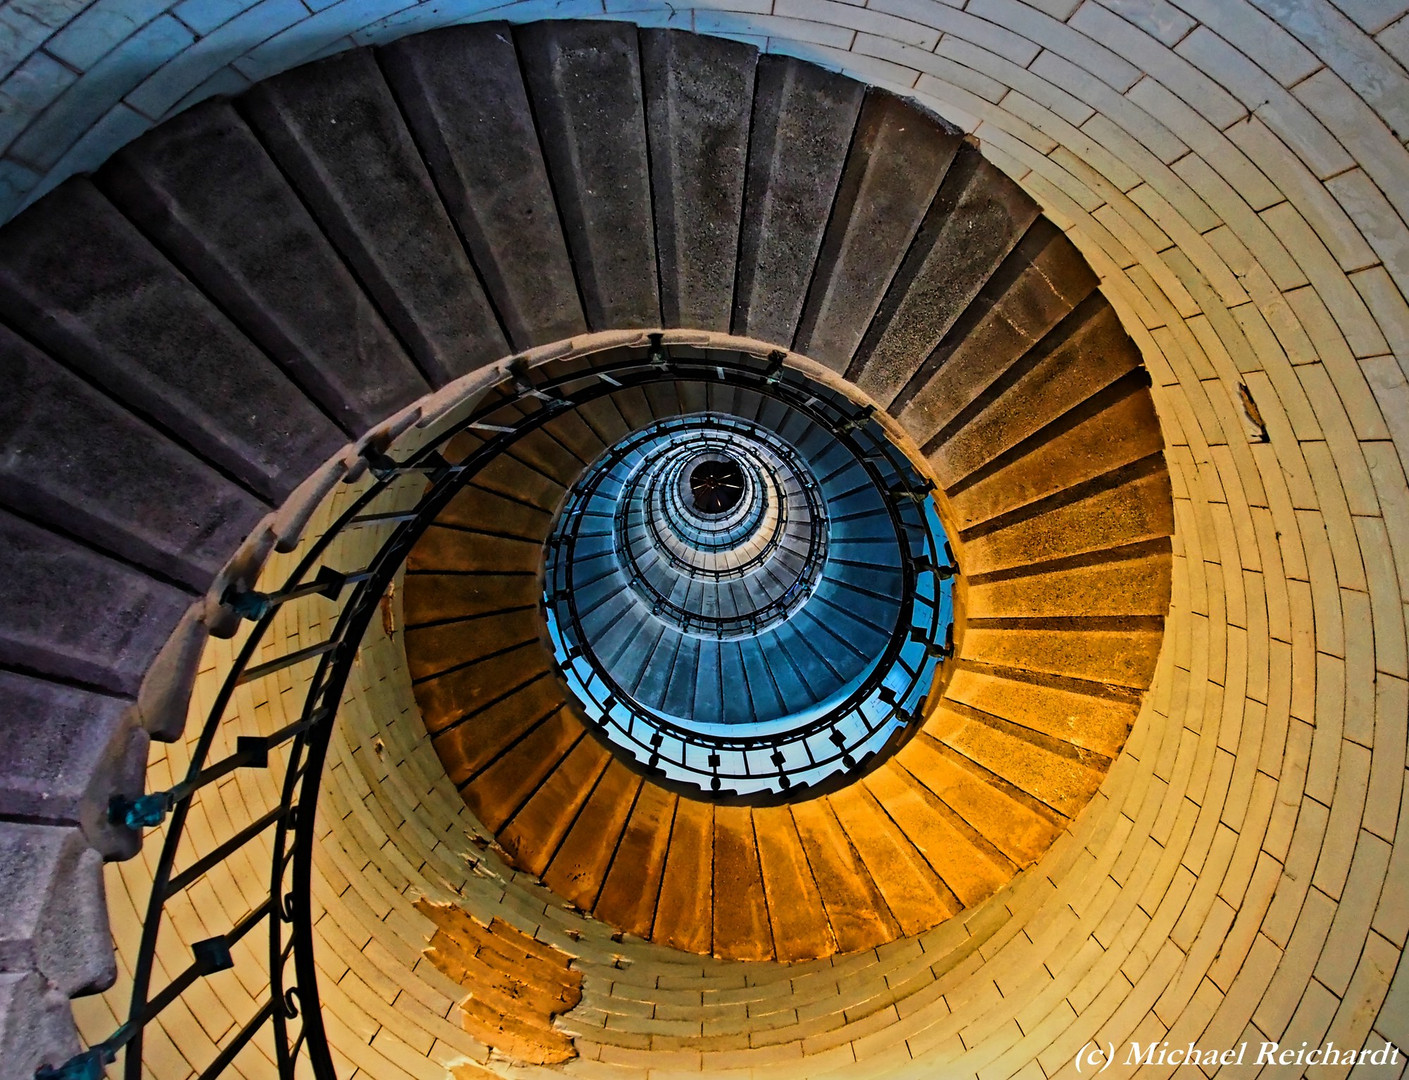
{"x":516,"y":984}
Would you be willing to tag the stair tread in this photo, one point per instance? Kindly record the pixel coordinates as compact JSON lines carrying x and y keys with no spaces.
{"x":338,"y":133}
{"x":464,"y":98}
{"x":897,"y":158}
{"x":684,"y":916}
{"x":977,"y":216}
{"x":799,"y":921}
{"x":67,"y":277}
{"x":1133,"y":586}
{"x":1037,"y":286}
{"x":584,"y":80}
{"x":507,"y":782}
{"x":788,"y":194}
{"x":579,"y":868}
{"x":698,"y":93}
{"x":630,"y":893}
{"x":857,"y":913}
{"x":532,"y":835}
{"x":194,"y":185}
{"x":741,"y":927}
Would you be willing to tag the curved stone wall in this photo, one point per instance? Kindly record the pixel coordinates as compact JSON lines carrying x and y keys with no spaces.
{"x":1235,"y":172}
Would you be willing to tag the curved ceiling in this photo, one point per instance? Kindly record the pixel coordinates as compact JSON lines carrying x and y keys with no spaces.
{"x":1235,"y":174}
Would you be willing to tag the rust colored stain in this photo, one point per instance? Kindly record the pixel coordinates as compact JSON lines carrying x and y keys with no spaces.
{"x":516,"y":984}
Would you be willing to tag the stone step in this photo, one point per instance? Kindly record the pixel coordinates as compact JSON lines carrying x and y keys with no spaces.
{"x":115,"y":481}
{"x":464,"y":99}
{"x":1036,"y":286}
{"x":1117,"y":651}
{"x":584,"y":82}
{"x":338,"y":134}
{"x":798,"y":919}
{"x":578,"y":869}
{"x":533,"y":835}
{"x":629,"y":894}
{"x":977,"y":216}
{"x":194,"y":186}
{"x":67,"y":274}
{"x":788,"y":194}
{"x":698,"y":95}
{"x":897,"y":159}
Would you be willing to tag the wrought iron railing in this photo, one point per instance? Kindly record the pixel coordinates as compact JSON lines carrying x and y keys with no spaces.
{"x":401,"y":498}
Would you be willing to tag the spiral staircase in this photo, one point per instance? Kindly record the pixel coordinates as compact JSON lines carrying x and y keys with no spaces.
{"x":217,"y":312}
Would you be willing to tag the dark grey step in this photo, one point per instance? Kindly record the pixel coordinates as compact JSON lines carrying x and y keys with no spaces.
{"x":36,"y":1024}
{"x":1043,"y":279}
{"x":699,"y":93}
{"x":66,"y":753}
{"x":54,"y":920}
{"x":72,"y":456}
{"x":976,"y":218}
{"x":803,"y":120}
{"x":69,"y":270}
{"x":70,"y":612}
{"x":584,"y":80}
{"x":204,"y":189}
{"x":464,"y":98}
{"x":897,"y":159}
{"x":337,"y":132}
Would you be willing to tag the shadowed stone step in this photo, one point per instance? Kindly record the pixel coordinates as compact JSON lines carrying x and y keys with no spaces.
{"x":439,"y":648}
{"x":916,"y":898}
{"x":448,"y":697}
{"x":533,"y":834}
{"x":54,"y":919}
{"x":114,"y":480}
{"x":857,"y":914}
{"x":67,"y":276}
{"x":464,"y":99}
{"x":1123,"y":652}
{"x":977,"y":216}
{"x":579,"y":869}
{"x":968,"y":872}
{"x":1110,"y":430}
{"x":1014,"y":828}
{"x":1140,"y":508}
{"x":195,"y":185}
{"x":508,"y":782}
{"x":1137,"y":585}
{"x":467,"y":744}
{"x":897,"y":159}
{"x":795,"y":911}
{"x":436,"y":597}
{"x":741,"y":927}
{"x":584,"y":79}
{"x":629,"y":895}
{"x":1062,"y":782}
{"x":1086,"y":352}
{"x":698,"y":94}
{"x":1040,"y":281}
{"x":66,"y":753}
{"x":1062,"y":712}
{"x":685,"y":914}
{"x":337,"y":132}
{"x":803,"y":118}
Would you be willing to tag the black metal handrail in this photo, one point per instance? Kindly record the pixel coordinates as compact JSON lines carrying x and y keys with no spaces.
{"x":291,"y":1006}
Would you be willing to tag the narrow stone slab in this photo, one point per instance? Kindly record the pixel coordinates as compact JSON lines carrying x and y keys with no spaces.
{"x":67,"y":611}
{"x":1040,"y":281}
{"x":584,"y":79}
{"x":1120,"y":652}
{"x":464,"y":98}
{"x":78,"y":278}
{"x":579,"y":869}
{"x":1077,"y":448}
{"x":685,"y":913}
{"x":974,"y":221}
{"x":1086,"y":352}
{"x":196,"y":184}
{"x":803,"y":119}
{"x":741,"y":927}
{"x":631,"y":891}
{"x":66,"y":753}
{"x":1138,"y":585}
{"x":799,"y":921}
{"x":335,"y":129}
{"x":72,"y":456}
{"x":536,"y":830}
{"x":699,"y":93}
{"x":856,"y":911}
{"x":898,"y":158}
{"x":54,"y":920}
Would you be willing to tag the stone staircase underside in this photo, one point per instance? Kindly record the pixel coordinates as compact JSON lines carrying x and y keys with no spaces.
{"x":189,"y":334}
